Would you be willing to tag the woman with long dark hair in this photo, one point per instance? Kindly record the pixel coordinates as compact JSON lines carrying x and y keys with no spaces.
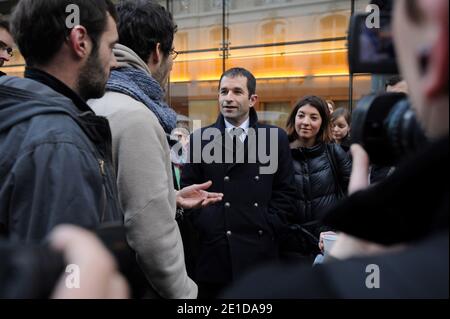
{"x":322,"y":170}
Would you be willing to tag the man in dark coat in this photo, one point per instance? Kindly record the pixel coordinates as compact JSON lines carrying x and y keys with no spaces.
{"x":394,"y":241}
{"x":244,"y":230}
{"x":56,"y":163}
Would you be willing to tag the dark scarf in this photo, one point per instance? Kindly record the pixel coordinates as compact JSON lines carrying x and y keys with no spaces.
{"x":142,"y":87}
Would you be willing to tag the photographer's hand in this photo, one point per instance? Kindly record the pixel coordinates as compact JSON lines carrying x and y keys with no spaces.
{"x":99,"y":277}
{"x":347,"y":246}
{"x":359,"y":179}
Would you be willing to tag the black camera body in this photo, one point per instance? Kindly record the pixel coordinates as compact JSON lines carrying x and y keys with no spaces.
{"x":371,"y":50}
{"x":385,"y":125}
{"x":387,"y":128}
{"x":28,"y":271}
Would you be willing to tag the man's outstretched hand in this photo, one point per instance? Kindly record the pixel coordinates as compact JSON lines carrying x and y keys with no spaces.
{"x":196,"y":196}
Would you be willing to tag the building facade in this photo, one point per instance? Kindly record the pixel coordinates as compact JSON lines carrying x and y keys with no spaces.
{"x":294,"y":48}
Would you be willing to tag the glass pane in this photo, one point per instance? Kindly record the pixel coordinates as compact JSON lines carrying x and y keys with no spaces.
{"x":198,"y":99}
{"x":204,"y":111}
{"x":274,"y":113}
{"x":281,"y":41}
{"x":199,"y":24}
{"x":286,"y":61}
{"x":275,"y":21}
{"x":361,"y":5}
{"x":362,"y":86}
{"x":197,"y":67}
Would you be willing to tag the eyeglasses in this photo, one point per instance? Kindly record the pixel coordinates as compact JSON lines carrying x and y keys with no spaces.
{"x":7,"y":49}
{"x":174,"y":54}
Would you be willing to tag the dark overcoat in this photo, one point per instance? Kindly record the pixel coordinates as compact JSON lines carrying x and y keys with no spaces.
{"x":245,"y":228}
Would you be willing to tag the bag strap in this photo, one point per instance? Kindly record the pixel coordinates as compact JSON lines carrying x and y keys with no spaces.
{"x":301,"y":228}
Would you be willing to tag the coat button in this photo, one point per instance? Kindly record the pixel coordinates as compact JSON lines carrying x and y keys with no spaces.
{"x":227,"y":205}
{"x":256,"y":178}
{"x":260,"y":233}
{"x":226,"y":179}
{"x":229,"y":233}
{"x":256,"y":204}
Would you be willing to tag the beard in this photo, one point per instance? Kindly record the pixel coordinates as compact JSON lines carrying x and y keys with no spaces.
{"x":93,"y":78}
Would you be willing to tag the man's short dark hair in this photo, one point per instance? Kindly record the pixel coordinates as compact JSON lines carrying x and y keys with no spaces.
{"x":394,"y":80}
{"x":143,"y":24}
{"x":39,"y":26}
{"x":4,"y":24}
{"x":235,"y":72}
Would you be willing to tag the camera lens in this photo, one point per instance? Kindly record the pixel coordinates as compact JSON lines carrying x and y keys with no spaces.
{"x":403,"y":130}
{"x":387,"y":128}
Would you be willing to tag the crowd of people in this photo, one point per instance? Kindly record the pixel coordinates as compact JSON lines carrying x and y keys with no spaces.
{"x":87,"y":139}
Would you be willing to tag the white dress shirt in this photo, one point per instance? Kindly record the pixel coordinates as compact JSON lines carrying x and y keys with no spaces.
{"x":245,"y":126}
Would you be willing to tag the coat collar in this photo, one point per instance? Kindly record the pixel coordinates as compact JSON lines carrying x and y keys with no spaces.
{"x":220,"y":123}
{"x":308,"y":152}
{"x":58,"y":86}
{"x":127,"y":58}
{"x":95,"y":127}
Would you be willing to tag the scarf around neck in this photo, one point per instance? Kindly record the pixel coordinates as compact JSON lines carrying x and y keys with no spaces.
{"x":142,"y":87}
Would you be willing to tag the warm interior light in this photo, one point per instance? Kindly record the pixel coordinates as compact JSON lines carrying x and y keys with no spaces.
{"x":205,"y":57}
{"x":320,"y":63}
{"x":274,"y":76}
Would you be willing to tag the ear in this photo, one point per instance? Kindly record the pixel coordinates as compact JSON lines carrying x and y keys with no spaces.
{"x":435,"y":80}
{"x":253,"y":100}
{"x":156,"y":56}
{"x":80,"y":42}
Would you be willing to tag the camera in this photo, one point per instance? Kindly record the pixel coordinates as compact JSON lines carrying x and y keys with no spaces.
{"x":385,"y":125}
{"x":371,"y":50}
{"x":387,"y":128}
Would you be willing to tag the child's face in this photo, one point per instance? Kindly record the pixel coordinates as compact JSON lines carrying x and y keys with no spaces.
{"x":340,"y":129}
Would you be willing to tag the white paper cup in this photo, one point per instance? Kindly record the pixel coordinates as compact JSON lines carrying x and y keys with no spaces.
{"x":328,"y":242}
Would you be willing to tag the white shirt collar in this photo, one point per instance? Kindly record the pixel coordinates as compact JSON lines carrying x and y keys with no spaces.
{"x":245,"y":126}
